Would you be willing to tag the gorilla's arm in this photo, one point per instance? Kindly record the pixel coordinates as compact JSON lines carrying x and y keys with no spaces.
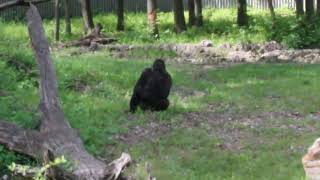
{"x":139,"y":89}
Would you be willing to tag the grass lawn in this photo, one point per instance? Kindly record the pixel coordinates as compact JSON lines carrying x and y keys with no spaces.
{"x":250,"y":121}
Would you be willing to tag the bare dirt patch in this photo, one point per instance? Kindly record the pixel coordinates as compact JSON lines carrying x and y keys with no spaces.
{"x":234,"y":131}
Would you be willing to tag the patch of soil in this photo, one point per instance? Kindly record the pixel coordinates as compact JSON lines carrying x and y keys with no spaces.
{"x":235,"y":131}
{"x":78,"y":86}
{"x":185,"y":92}
{"x":3,"y":93}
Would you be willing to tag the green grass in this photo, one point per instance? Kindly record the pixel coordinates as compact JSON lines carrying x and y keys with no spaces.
{"x":219,"y":26}
{"x":95,"y":90}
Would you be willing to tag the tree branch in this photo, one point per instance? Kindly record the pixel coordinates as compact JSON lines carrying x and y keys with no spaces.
{"x":20,"y":140}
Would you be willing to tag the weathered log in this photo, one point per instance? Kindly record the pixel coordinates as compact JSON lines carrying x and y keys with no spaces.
{"x":311,"y":161}
{"x":56,"y":134}
{"x":94,"y":37}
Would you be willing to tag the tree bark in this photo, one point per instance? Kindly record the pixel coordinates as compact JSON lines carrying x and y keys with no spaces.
{"x":152,"y":17}
{"x":318,"y":7}
{"x":299,"y":7}
{"x":120,"y":14}
{"x":309,"y":9}
{"x":179,"y":20}
{"x":57,"y":19}
{"x":198,"y":12}
{"x":86,"y":15}
{"x":67,"y":16}
{"x":56,"y":134}
{"x":242,"y":18}
{"x":192,"y":16}
{"x":272,"y":13}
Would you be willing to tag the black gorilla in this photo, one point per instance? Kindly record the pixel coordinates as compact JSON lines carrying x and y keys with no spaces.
{"x":152,"y":89}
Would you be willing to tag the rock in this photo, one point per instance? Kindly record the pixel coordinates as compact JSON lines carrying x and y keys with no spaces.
{"x":5,"y":177}
{"x":247,"y":47}
{"x":311,"y":161}
{"x":270,"y":56}
{"x":241,"y":56}
{"x":226,"y":46}
{"x":271,"y":46}
{"x":206,"y":43}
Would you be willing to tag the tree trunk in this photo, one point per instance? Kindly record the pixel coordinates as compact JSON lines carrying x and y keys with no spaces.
{"x":309,"y":9}
{"x":120,"y":13}
{"x":242,"y":18}
{"x":198,"y":12}
{"x":57,"y":19}
{"x":179,"y":21}
{"x":192,"y":16}
{"x":318,"y":7}
{"x":152,"y":17}
{"x":56,"y":134}
{"x":67,"y":16}
{"x":272,"y":13}
{"x":86,"y":15}
{"x":299,"y":7}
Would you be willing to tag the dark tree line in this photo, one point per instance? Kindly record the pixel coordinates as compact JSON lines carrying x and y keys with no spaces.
{"x":194,"y":11}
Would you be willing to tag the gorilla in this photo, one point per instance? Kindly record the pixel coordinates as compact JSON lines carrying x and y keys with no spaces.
{"x":152,"y":89}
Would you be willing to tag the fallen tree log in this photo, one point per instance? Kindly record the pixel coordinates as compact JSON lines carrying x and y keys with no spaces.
{"x":95,"y":37}
{"x":55,"y":134}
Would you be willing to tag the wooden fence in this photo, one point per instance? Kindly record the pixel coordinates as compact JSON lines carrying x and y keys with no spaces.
{"x":98,"y":6}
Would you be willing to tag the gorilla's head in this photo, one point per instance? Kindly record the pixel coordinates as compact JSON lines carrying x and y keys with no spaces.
{"x":159,"y":65}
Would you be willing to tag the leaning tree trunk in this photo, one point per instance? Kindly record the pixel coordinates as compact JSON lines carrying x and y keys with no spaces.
{"x":57,"y":19}
{"x":67,"y":16}
{"x":242,"y":18}
{"x":86,"y":15}
{"x":198,"y":12}
{"x":152,"y":17}
{"x":56,"y":134}
{"x":309,"y":9}
{"x":299,"y":7}
{"x":272,"y":13}
{"x":192,"y":16}
{"x":120,"y":14}
{"x":179,"y":21}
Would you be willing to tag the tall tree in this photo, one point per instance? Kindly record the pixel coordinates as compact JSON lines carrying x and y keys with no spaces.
{"x":299,"y":7}
{"x":152,"y":17}
{"x":67,"y":16}
{"x":120,"y":13}
{"x":179,"y":20}
{"x":309,"y":9}
{"x":198,"y":12}
{"x":86,"y":15}
{"x":57,"y":19}
{"x":242,"y":18}
{"x":192,"y":16}
{"x":318,"y":7}
{"x":271,"y":8}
